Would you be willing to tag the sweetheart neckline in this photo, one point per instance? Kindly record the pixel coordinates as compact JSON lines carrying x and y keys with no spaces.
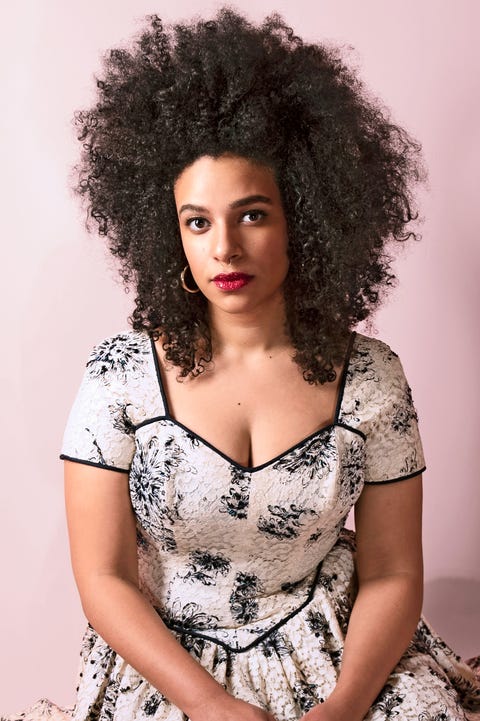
{"x":168,"y":416}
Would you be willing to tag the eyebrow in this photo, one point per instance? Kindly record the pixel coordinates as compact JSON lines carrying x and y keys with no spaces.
{"x":250,"y":199}
{"x":240,"y":203}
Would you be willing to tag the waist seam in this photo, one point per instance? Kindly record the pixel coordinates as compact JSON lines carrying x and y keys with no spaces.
{"x":179,"y":628}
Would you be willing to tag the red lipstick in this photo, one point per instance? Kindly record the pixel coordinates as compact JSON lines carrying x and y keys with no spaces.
{"x":232,"y":281}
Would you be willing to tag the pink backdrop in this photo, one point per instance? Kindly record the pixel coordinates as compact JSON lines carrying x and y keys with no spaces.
{"x":61,"y":294}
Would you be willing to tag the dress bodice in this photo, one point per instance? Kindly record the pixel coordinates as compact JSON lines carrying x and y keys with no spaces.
{"x":244,"y":544}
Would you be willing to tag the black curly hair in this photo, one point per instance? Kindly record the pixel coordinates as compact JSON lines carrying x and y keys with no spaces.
{"x":344,"y":170}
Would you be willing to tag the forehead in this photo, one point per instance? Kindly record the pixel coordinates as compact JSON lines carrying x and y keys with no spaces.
{"x":224,"y":179}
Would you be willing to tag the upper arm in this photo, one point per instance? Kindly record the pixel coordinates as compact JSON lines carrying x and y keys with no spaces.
{"x":98,"y":447}
{"x":388,"y":522}
{"x":101,"y":524}
{"x":388,"y":514}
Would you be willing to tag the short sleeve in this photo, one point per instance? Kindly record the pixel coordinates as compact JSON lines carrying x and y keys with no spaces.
{"x":393,"y":445}
{"x":98,"y":431}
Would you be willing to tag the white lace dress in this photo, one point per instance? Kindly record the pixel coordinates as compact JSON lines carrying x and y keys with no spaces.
{"x":251,"y":567}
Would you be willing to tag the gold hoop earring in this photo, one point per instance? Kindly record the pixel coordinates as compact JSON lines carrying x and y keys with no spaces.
{"x":184,"y":285}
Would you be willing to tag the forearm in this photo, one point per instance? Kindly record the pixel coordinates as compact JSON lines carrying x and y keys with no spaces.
{"x":382,"y":623}
{"x":124,"y":618}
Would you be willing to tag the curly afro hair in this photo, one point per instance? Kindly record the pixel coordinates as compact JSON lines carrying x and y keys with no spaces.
{"x":344,"y":170}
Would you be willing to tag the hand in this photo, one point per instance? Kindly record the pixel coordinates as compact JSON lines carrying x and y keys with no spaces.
{"x":231,"y":709}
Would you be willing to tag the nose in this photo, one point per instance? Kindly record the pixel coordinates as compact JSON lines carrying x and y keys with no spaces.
{"x":226,"y":244}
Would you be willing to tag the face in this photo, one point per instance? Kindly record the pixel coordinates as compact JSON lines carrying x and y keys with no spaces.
{"x":233,"y":231}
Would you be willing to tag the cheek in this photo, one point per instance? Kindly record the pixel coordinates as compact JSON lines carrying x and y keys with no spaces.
{"x":281,"y":249}
{"x":284,"y":257}
{"x":187,"y":245}
{"x":195,"y":254}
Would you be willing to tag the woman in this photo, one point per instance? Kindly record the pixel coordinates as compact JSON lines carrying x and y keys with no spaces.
{"x":250,"y":187}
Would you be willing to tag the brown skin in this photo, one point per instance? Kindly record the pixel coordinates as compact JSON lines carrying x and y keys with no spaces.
{"x":248,"y":324}
{"x":253,"y":387}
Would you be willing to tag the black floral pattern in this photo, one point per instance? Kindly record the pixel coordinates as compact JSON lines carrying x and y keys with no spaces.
{"x":188,"y":621}
{"x":188,"y":617}
{"x":305,"y":694}
{"x":343,"y":609}
{"x":142,"y":540}
{"x":319,"y":626}
{"x":276,"y":644}
{"x":310,"y":459}
{"x":147,"y":491}
{"x":410,"y":464}
{"x":327,"y":581}
{"x":204,"y":566}
{"x":424,"y":641}
{"x":98,"y":653}
{"x":404,"y":413}
{"x":316,"y":536}
{"x":193,"y":644}
{"x":243,"y":605}
{"x":223,"y":658}
{"x":152,"y":703}
{"x":235,"y":503}
{"x":336,"y":655}
{"x":346,"y":537}
{"x":466,"y":690}
{"x":112,"y":691}
{"x":98,"y":457}
{"x":351,"y":472}
{"x":117,"y":357}
{"x":283,"y":522}
{"x":121,"y":420}
{"x":389,"y":701}
{"x":227,"y":555}
{"x":323,"y":534}
{"x":362,"y":363}
{"x":441,"y":715}
{"x":90,"y":637}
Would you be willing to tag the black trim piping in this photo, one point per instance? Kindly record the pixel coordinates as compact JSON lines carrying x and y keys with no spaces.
{"x":63,"y":457}
{"x":394,"y":480}
{"x":153,"y":419}
{"x":249,"y":469}
{"x":343,"y":379}
{"x":353,"y":430}
{"x":167,"y":416}
{"x":189,"y":632}
{"x":159,"y":379}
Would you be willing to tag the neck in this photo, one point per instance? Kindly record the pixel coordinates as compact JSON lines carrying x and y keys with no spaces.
{"x":249,"y":334}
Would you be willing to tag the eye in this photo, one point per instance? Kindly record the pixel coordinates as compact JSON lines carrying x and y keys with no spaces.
{"x":197,"y":224}
{"x":253,"y":216}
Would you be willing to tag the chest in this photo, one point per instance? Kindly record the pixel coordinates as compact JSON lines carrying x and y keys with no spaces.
{"x":251,"y":414}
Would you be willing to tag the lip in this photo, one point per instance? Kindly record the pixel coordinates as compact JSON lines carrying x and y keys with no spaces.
{"x":232,"y":281}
